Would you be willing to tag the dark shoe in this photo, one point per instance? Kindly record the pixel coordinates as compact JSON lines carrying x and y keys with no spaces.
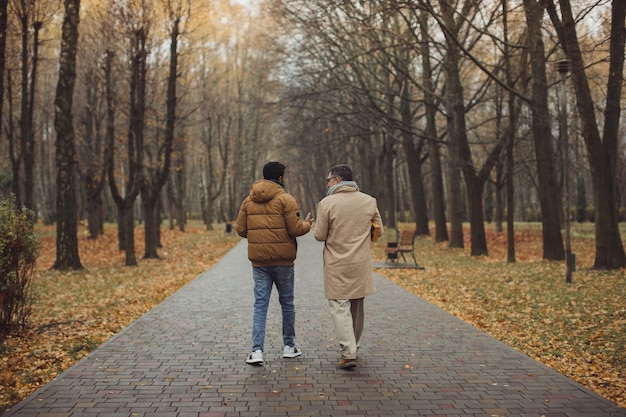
{"x":346,"y":364}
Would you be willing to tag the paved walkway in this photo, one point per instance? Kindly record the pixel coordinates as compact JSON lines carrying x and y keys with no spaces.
{"x":186,"y":357}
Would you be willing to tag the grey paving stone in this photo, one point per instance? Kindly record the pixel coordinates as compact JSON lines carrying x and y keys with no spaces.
{"x":186,"y":357}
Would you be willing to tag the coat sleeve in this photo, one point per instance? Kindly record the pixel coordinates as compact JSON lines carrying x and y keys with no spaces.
{"x":293,"y":218}
{"x":321,"y":224}
{"x":242,"y":220}
{"x":378,"y":220}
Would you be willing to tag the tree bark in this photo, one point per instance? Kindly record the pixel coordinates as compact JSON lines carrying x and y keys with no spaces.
{"x":67,"y":239}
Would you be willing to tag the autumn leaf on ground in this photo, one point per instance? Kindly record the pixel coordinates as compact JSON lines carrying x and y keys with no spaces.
{"x":577,"y":329}
{"x":77,"y":311}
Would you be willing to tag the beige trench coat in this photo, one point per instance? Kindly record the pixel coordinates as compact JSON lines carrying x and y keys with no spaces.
{"x":343,"y":222}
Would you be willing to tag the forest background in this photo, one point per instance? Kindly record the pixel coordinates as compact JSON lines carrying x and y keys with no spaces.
{"x":140,"y":111}
{"x":452,"y":113}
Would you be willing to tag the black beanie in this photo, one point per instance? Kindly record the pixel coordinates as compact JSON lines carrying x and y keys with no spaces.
{"x":273,"y":170}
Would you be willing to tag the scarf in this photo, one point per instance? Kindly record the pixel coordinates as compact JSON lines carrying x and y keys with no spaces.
{"x":342,"y":183}
{"x":279,"y":183}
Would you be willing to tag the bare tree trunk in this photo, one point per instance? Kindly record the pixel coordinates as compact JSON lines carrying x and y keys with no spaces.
{"x":510,"y":162}
{"x":29,"y":149}
{"x":180,"y":174}
{"x":94,"y":171}
{"x":499,"y":184}
{"x":14,"y":148}
{"x":414,"y":164}
{"x":94,"y":208}
{"x":23,"y":122}
{"x":510,"y":201}
{"x":474,"y":180}
{"x":127,"y":219}
{"x":109,"y":150}
{"x":498,"y":181}
{"x":181,"y":214}
{"x":150,"y":227}
{"x":67,"y":239}
{"x":135,"y":142}
{"x":438,"y":194}
{"x":457,"y":129}
{"x":217,"y":167}
{"x":176,"y":189}
{"x":602,"y":152}
{"x":386,"y":168}
{"x":455,"y":206}
{"x":137,"y":100}
{"x":3,"y":46}
{"x":27,"y":138}
{"x":47,"y":185}
{"x":549,"y":192}
{"x":151,"y":190}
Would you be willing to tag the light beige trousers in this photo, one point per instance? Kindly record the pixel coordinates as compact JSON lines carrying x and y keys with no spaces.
{"x":348,"y":316}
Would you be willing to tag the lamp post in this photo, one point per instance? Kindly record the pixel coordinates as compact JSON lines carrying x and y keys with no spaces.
{"x":563,"y":68}
{"x":395,"y":190}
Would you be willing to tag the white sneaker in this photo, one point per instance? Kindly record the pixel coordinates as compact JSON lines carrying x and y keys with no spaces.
{"x":291,"y":352}
{"x":255,"y":358}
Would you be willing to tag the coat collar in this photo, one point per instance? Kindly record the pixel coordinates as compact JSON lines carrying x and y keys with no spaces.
{"x":335,"y":187}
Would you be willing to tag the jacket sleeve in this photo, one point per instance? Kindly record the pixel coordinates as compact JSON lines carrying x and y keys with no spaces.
{"x":293,"y":218}
{"x":242,"y":220}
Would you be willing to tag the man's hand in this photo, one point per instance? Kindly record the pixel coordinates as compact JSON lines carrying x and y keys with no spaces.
{"x":308,"y":218}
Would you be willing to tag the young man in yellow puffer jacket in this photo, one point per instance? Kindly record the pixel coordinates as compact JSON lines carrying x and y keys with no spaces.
{"x":270,"y":219}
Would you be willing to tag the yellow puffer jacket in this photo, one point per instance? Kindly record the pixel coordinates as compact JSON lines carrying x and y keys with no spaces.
{"x":270,"y":219}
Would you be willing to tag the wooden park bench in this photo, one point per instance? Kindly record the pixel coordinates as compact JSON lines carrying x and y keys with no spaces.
{"x":405,"y":246}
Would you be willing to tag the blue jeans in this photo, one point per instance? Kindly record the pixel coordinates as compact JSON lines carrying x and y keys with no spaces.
{"x":264,"y":279}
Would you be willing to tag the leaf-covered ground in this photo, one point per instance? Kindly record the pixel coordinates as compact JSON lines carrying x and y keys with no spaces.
{"x":75,"y":312}
{"x":576,"y":329}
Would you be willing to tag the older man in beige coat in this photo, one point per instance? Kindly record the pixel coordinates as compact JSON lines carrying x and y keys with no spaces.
{"x":344,"y":220}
